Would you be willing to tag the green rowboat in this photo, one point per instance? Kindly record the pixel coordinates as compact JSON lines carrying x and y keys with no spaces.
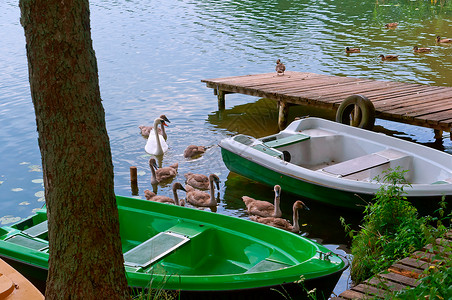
{"x":197,"y":252}
{"x":338,"y":164}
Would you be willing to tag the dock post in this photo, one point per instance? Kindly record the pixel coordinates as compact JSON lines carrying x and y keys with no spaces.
{"x":221,"y":102}
{"x":438,"y":134}
{"x":283,"y":114}
{"x":134,"y":180}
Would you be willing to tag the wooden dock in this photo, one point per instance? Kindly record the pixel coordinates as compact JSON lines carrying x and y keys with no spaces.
{"x":404,"y":273}
{"x":415,"y":104}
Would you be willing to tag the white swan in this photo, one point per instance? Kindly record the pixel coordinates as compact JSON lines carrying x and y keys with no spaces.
{"x":156,"y":144}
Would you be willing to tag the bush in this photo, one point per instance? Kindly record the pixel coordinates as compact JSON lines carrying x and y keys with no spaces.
{"x":391,"y":229}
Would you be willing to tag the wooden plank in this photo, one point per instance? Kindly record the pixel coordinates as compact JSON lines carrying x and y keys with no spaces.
{"x":423,"y":108}
{"x":392,"y":92}
{"x":428,"y":91}
{"x":312,"y":85}
{"x":350,"y":294}
{"x":385,"y":284}
{"x":415,"y":263}
{"x":369,"y":290}
{"x":352,"y":87}
{"x":406,"y":101}
{"x":399,"y":279}
{"x":405,"y":270}
{"x":383,"y":100}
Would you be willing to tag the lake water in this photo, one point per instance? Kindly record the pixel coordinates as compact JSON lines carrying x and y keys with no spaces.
{"x":152,"y":56}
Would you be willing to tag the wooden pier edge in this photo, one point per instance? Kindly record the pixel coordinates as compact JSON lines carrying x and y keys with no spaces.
{"x":403,"y":274}
{"x":414,"y":104}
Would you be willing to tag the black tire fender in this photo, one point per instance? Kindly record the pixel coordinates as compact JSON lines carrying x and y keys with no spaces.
{"x":364,"y":112}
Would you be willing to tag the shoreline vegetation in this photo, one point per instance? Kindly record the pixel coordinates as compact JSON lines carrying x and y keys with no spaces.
{"x":392,"y":230}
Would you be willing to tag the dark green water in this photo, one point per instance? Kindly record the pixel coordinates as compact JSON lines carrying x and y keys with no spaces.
{"x":152,"y":56}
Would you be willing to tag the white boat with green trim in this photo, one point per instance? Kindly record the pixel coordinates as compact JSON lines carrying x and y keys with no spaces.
{"x":338,"y":164}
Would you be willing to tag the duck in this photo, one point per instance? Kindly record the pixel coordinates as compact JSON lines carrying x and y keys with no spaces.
{"x":264,"y":208}
{"x":421,"y":50}
{"x":283,"y":223}
{"x":200,"y":198}
{"x":162,"y":174}
{"x":156,"y":144}
{"x":164,"y":199}
{"x":391,"y":25}
{"x":352,"y":50}
{"x":280,"y":67}
{"x":146,"y":130}
{"x":389,"y":57}
{"x":198,"y":181}
{"x":439,"y":40}
{"x":193,"y":151}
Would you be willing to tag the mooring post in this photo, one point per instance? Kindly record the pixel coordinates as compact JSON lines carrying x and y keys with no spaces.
{"x":438,"y":134}
{"x":134,"y":180}
{"x":221,"y":101}
{"x":283,"y":114}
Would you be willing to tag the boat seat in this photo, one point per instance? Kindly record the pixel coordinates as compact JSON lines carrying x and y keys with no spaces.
{"x":267,"y":265}
{"x":37,"y":230}
{"x":28,"y":242}
{"x":267,"y":150}
{"x":365,"y":162}
{"x":285,"y":141}
{"x":154,"y":249}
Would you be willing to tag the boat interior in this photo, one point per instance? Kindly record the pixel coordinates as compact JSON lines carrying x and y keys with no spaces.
{"x":31,"y":232}
{"x":169,"y":245}
{"x":346,"y":156}
{"x":164,"y":244}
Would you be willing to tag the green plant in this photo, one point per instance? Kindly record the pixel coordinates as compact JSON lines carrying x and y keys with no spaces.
{"x":155,"y":291}
{"x":391,"y":229}
{"x":309,"y":294}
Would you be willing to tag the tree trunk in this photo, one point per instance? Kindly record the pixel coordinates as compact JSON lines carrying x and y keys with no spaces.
{"x":86,"y":259}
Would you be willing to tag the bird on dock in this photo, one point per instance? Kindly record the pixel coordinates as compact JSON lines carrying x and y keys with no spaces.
{"x":200,"y":198}
{"x":146,"y":130}
{"x":162,"y":174}
{"x":156,"y":144}
{"x":283,"y":223}
{"x":389,"y":57}
{"x":194,"y":151}
{"x":280,"y":67}
{"x":421,"y":50}
{"x":264,"y":208}
{"x":439,"y":40}
{"x":391,"y":25}
{"x":198,"y":181}
{"x":352,"y":50}
{"x":164,"y":199}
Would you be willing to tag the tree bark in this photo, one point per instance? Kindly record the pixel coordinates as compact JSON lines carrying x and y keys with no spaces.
{"x":86,"y":259}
